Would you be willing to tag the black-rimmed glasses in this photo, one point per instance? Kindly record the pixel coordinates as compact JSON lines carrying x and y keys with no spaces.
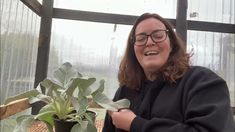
{"x":157,"y":36}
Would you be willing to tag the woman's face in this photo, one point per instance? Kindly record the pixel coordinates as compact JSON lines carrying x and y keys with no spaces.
{"x":151,"y":56}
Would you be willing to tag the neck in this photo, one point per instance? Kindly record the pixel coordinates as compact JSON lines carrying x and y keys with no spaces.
{"x":151,"y":76}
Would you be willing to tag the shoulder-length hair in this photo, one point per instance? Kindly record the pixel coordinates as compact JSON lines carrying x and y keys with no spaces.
{"x":131,"y":74}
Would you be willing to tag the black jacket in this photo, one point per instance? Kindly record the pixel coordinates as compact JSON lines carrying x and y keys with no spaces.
{"x":198,"y":102}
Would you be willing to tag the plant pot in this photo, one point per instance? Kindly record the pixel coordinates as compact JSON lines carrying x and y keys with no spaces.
{"x":63,"y":125}
{"x":92,"y":114}
{"x":66,"y":126}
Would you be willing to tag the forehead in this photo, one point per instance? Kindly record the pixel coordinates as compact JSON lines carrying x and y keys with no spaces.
{"x":148,"y":25}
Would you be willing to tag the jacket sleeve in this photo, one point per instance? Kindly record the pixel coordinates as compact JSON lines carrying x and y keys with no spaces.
{"x":206,"y":107}
{"x":108,"y":125}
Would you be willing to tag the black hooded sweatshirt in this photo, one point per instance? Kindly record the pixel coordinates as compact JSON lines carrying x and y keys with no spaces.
{"x":197,"y":102}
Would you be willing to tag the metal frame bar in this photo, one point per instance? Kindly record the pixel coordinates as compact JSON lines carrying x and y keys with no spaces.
{"x":97,"y":17}
{"x":43,"y":47}
{"x":211,"y":27}
{"x":34,"y":5}
{"x":130,"y":19}
{"x":181,"y":18}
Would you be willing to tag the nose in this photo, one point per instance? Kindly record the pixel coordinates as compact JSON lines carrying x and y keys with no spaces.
{"x":150,"y":41}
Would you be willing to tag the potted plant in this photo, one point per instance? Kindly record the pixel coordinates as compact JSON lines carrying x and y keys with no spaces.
{"x":67,"y":97}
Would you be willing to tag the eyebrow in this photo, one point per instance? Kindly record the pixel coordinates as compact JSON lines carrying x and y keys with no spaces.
{"x":144,"y":33}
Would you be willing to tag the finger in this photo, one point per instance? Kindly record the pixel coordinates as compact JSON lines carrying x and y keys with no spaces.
{"x":123,"y":109}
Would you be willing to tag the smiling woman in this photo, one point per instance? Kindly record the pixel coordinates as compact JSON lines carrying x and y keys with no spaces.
{"x":165,"y":91}
{"x":95,"y":43}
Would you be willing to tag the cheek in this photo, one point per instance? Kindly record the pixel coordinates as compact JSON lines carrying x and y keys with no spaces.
{"x":167,"y":46}
{"x":138,"y":53}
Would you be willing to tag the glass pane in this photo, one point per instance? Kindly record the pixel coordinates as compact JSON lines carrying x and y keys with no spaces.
{"x":95,"y":49}
{"x":40,"y":1}
{"x":18,"y":52}
{"x":221,"y":11}
{"x":166,"y":8}
{"x":217,"y":52}
{"x":19,"y":40}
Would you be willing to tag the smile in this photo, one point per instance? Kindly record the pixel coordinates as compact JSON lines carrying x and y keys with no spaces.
{"x":148,"y":53}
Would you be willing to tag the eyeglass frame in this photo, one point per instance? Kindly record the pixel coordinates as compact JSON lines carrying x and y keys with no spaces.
{"x":150,"y":35}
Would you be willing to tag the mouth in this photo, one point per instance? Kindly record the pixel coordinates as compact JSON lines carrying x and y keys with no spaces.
{"x":150,"y":53}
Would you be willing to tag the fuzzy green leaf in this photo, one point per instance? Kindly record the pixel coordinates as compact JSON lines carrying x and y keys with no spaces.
{"x":65,"y":73}
{"x":27,"y":94}
{"x":123,"y":103}
{"x":91,"y":128}
{"x":40,"y":97}
{"x":80,"y":105}
{"x":23,"y":123}
{"x":51,"y":87}
{"x":46,"y":114}
{"x":49,"y":126}
{"x":105,"y":102}
{"x":81,"y":126}
{"x":82,"y":83}
{"x":100,"y":89}
{"x":108,"y":104}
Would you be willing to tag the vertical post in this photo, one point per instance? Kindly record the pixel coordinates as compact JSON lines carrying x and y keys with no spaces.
{"x":43,"y":47}
{"x":181,"y":18}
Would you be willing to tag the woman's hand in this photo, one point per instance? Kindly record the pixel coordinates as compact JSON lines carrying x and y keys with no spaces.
{"x":122,"y":119}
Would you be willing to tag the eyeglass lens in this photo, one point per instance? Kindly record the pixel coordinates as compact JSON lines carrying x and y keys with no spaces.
{"x":156,"y":36}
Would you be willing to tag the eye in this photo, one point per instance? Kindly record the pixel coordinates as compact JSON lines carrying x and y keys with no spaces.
{"x":140,"y":38}
{"x":158,"y":35}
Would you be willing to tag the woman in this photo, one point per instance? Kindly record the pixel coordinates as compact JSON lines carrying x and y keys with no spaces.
{"x":166,"y":93}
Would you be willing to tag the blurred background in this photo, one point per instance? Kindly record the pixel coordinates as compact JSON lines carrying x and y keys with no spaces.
{"x":96,"y":48}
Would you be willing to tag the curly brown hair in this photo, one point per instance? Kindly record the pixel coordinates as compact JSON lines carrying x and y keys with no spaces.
{"x":131,"y":74}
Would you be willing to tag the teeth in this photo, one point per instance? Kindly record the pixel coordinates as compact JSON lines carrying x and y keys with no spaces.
{"x":151,"y":53}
